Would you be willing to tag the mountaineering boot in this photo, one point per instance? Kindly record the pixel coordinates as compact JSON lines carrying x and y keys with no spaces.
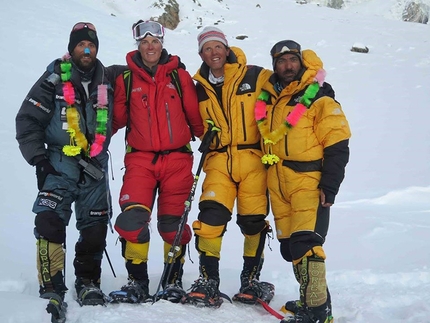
{"x":305,"y":314}
{"x":57,"y":307}
{"x":292,"y":307}
{"x":314,"y":305}
{"x":55,"y":290}
{"x":89,"y":292}
{"x":205,"y":290}
{"x":251,"y":289}
{"x":172,"y":286}
{"x":135,"y":291}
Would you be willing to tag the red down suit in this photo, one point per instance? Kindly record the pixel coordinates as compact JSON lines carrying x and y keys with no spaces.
{"x":160,"y":126}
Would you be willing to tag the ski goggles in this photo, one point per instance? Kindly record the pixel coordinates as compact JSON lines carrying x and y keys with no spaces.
{"x":82,"y":25}
{"x":285,"y":46}
{"x":145,"y":28}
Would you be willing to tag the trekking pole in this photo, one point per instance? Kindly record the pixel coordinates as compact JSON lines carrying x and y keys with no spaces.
{"x":176,"y":247}
{"x":110,"y":263}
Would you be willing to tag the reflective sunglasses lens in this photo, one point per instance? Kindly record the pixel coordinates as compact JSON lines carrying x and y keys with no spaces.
{"x":82,"y":25}
{"x":152,"y":28}
{"x":285,"y":47}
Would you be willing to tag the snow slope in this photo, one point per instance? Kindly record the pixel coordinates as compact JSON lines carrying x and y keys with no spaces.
{"x":378,"y":244}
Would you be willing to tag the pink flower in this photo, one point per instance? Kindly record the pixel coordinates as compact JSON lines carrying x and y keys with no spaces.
{"x":296,"y":114}
{"x":260,"y":110}
{"x":97,"y":146}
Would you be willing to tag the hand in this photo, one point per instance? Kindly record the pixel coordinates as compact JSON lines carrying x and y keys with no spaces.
{"x":43,"y":168}
{"x":323,"y":201}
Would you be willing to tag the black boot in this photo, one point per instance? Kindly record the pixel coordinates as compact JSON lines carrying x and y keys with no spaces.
{"x":305,"y":314}
{"x":135,"y":291}
{"x":88,"y":292}
{"x":137,"y":288}
{"x":251,"y":289}
{"x":205,"y":290}
{"x":54,"y":291}
{"x":172,"y":286}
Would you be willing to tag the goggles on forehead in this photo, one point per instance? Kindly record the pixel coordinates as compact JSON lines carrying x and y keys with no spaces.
{"x":145,"y":28}
{"x":285,"y":46}
{"x":82,"y":25}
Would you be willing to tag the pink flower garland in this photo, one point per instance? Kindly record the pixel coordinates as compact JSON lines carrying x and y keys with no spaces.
{"x":100,"y":136}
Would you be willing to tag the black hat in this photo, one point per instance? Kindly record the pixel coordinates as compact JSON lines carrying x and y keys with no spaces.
{"x":285,"y":47}
{"x":83,"y":31}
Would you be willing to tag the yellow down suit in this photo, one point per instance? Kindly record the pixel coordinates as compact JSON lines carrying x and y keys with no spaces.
{"x":233,"y":166}
{"x":313,"y":155}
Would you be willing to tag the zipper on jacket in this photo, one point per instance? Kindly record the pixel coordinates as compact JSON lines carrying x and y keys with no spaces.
{"x":169,"y":124}
{"x":242,"y":107}
{"x":148,"y":108}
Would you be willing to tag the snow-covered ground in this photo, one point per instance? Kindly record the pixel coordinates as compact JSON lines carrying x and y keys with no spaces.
{"x":378,"y":244}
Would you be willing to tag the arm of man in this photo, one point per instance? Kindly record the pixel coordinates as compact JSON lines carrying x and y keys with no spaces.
{"x":120,"y":114}
{"x":33,"y":117}
{"x":190,"y":101}
{"x":332,"y":130}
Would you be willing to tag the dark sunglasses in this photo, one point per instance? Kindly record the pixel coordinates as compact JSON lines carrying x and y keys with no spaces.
{"x":82,"y":25}
{"x":285,"y":46}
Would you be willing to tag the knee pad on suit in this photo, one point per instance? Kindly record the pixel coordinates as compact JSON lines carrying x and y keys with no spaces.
{"x":212,"y":220}
{"x":49,"y":226}
{"x":168,"y":226}
{"x":304,"y":244}
{"x":285,"y":249}
{"x":251,"y":224}
{"x":132,"y":224}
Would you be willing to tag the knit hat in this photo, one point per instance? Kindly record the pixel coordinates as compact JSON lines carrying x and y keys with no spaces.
{"x":83,"y":31}
{"x":211,"y":33}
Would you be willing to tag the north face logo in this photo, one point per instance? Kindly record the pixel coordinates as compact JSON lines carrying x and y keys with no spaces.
{"x":245,"y":87}
{"x":171,"y":86}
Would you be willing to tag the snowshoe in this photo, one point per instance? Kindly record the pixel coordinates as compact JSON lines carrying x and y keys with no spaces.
{"x":134,"y":292}
{"x":255,"y":291}
{"x":205,"y":293}
{"x":56,"y":307}
{"x":91,"y":295}
{"x":296,"y":312}
{"x":172,"y":293}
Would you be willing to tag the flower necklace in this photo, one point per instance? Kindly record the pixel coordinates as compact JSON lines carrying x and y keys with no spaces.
{"x":272,"y":138}
{"x":78,"y":141}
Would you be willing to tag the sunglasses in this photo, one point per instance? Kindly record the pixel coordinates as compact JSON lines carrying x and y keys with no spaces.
{"x":82,"y":25}
{"x":285,"y":46}
{"x":145,"y":28}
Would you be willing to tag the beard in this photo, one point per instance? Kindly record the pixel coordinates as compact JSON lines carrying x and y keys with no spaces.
{"x":85,"y":62}
{"x":288,"y":76}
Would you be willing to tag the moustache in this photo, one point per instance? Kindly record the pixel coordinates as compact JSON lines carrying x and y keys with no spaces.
{"x":286,"y":72}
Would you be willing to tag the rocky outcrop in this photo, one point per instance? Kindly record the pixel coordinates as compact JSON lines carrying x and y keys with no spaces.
{"x":335,"y":4}
{"x":170,"y":17}
{"x":416,"y":12}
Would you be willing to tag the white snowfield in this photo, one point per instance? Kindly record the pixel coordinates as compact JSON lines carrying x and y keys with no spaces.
{"x":378,"y":246}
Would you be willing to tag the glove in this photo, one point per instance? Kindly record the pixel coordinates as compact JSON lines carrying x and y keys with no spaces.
{"x":43,"y":168}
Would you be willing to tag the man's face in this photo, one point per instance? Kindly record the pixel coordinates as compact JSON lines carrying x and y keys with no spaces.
{"x":150,"y":49}
{"x":84,"y":55}
{"x":287,"y":68}
{"x":214,"y":54}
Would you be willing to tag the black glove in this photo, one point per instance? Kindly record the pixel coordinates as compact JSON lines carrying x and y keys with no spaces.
{"x":43,"y":168}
